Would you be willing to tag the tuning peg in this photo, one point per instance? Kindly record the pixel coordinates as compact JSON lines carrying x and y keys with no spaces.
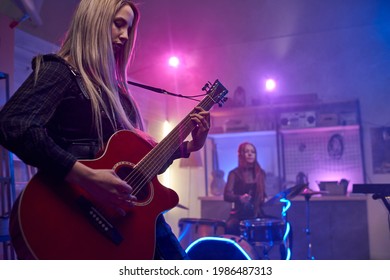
{"x":223,"y":100}
{"x":206,"y":86}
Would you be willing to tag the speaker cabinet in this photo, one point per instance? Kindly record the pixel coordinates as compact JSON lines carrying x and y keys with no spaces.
{"x":298,"y":120}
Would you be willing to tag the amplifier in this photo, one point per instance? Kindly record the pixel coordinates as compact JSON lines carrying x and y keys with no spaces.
{"x":297,"y":120}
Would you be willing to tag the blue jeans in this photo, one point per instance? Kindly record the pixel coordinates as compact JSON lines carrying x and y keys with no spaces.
{"x":167,"y":245}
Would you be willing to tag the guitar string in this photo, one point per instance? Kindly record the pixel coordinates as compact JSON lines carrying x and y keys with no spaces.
{"x":138,"y":177}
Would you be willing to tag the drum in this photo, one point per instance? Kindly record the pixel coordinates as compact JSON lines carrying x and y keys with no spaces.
{"x":263,"y":230}
{"x":192,"y":229}
{"x":224,"y":247}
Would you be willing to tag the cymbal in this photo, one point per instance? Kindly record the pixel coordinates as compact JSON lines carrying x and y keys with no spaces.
{"x":288,"y":194}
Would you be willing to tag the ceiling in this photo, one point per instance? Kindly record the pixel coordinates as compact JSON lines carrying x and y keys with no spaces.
{"x":49,"y":19}
{"x":206,"y":23}
{"x":216,"y":38}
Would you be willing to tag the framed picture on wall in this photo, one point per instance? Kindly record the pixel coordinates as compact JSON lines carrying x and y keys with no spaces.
{"x":380,"y":145}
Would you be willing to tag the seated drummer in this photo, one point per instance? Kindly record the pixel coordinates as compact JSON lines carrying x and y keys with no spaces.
{"x":245,"y":187}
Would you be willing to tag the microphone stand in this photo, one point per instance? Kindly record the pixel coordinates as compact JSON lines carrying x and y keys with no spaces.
{"x":162,"y":91}
{"x":307,"y":230}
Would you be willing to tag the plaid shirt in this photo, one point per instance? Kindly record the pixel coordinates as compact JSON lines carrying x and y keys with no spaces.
{"x":25,"y":117}
{"x":32,"y":126}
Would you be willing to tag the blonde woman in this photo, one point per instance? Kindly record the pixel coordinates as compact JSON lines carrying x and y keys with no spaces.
{"x":75,"y":100}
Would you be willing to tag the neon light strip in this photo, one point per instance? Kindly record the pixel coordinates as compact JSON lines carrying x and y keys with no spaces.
{"x":284,"y":213}
{"x":219,"y":239}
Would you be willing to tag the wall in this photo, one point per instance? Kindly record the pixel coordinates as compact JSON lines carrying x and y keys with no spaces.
{"x":6,"y":54}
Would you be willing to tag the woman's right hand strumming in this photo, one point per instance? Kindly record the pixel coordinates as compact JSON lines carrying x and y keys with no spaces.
{"x":104,"y":186}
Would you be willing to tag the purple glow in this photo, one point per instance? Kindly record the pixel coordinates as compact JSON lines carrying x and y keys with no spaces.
{"x":270,"y":84}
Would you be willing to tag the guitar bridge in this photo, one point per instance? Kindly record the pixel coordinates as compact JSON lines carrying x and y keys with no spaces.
{"x":99,"y":221}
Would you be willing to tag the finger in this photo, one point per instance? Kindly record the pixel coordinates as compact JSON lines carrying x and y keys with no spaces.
{"x":126,"y":204}
{"x":123,"y":186}
{"x":128,"y":197}
{"x":200,"y":121}
{"x":120,"y":211}
{"x":199,"y":109}
{"x":203,"y":115}
{"x":122,"y":207}
{"x":196,"y":118}
{"x":200,"y":112}
{"x":206,"y":124}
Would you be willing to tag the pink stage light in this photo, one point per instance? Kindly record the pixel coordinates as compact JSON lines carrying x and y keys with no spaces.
{"x":174,"y":61}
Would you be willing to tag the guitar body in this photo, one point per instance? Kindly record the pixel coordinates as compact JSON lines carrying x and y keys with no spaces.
{"x":52,"y":225}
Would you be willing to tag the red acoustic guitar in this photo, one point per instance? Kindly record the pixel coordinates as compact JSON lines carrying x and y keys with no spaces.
{"x":56,"y":221}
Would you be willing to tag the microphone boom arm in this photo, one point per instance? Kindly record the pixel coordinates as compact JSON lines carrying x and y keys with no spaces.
{"x":159,"y":90}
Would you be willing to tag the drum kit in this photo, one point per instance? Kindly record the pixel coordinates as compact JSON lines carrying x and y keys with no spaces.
{"x":206,"y":238}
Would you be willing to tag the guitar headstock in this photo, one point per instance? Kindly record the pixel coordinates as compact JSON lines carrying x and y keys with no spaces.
{"x":216,"y":91}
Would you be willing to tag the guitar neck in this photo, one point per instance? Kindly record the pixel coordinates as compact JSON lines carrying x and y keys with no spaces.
{"x":159,"y":155}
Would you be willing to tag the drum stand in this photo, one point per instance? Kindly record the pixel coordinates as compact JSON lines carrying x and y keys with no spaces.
{"x":263,"y":249}
{"x":266,"y":248}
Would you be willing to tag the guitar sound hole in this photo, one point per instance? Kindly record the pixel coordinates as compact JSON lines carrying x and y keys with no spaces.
{"x":136,"y":180}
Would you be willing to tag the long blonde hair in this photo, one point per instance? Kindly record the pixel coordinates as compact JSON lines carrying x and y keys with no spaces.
{"x":88,"y":47}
